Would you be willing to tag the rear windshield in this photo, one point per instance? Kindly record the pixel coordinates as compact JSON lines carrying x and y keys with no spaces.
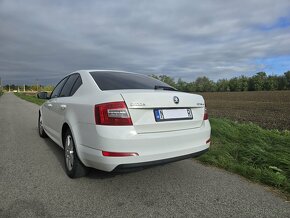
{"x":120,"y":80}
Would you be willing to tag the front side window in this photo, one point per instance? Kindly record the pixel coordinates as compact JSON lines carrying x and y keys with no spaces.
{"x":58,"y":88}
{"x":120,"y":80}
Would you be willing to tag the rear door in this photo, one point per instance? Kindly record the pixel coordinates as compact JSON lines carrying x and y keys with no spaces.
{"x":62,"y":103}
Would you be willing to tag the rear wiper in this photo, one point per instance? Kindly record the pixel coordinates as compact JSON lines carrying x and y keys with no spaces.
{"x":165,"y":88}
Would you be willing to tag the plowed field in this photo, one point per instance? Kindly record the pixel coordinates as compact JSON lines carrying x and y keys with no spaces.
{"x":269,"y":109}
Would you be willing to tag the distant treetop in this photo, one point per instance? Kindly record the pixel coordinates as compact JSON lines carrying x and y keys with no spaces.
{"x":259,"y":82}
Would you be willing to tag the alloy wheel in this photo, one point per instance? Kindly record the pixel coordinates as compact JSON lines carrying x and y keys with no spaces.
{"x":69,"y":152}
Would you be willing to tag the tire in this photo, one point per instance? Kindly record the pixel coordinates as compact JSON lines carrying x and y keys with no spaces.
{"x":73,"y":166}
{"x":41,"y":131}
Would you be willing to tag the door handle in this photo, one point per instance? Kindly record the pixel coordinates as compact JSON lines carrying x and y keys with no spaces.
{"x":63,"y":106}
{"x":49,"y":105}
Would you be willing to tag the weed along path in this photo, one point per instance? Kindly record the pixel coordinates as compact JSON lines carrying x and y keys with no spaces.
{"x":33,"y":182}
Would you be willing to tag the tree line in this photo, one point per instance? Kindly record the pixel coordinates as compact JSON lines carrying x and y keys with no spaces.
{"x":259,"y":82}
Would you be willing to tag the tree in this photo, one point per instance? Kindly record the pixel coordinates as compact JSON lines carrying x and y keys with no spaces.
{"x":287,"y":77}
{"x":181,"y":85}
{"x":271,"y":83}
{"x":154,"y":76}
{"x":191,"y":87}
{"x":282,"y":83}
{"x":34,"y":87}
{"x":261,"y":78}
{"x":257,"y":82}
{"x":47,"y":88}
{"x":168,"y":80}
{"x":223,"y":85}
{"x":13,"y":87}
{"x":203,"y":84}
{"x":243,"y":83}
{"x":234,"y":85}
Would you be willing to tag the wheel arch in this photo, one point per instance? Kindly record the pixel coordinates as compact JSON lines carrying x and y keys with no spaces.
{"x":39,"y":112}
{"x":64,"y":129}
{"x":80,"y":168}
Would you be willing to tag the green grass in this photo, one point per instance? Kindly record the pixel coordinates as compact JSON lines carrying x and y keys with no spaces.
{"x":1,"y":93}
{"x":30,"y":98}
{"x":255,"y":153}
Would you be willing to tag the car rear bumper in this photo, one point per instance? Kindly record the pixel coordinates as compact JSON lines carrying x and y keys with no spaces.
{"x":151,"y":147}
{"x":128,"y":167}
{"x":94,"y":158}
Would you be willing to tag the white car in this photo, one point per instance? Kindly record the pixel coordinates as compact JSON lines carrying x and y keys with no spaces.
{"x":113,"y":120}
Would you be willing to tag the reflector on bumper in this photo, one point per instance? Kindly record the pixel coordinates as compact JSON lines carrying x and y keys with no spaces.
{"x":119,"y":154}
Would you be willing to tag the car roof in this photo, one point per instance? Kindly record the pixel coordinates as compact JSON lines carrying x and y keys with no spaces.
{"x":86,"y":72}
{"x":95,"y":70}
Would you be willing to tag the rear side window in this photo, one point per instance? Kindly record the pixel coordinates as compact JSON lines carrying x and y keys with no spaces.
{"x":77,"y":84}
{"x":121,"y":80}
{"x":68,"y":85}
{"x":58,"y":88}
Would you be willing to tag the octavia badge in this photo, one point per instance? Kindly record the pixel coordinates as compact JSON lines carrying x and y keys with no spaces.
{"x":176,"y":99}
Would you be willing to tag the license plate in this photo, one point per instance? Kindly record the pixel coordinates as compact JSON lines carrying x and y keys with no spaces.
{"x":172,"y":114}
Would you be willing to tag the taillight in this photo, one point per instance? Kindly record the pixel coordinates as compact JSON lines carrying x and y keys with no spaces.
{"x":113,"y":114}
{"x":205,"y":116}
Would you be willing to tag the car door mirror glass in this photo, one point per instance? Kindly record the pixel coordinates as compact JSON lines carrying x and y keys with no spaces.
{"x":42,"y":95}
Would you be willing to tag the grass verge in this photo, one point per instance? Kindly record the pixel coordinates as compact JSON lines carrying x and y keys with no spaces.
{"x":255,"y":153}
{"x":30,"y":98}
{"x":244,"y":148}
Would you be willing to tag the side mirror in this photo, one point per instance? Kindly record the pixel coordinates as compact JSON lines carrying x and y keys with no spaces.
{"x":42,"y":95}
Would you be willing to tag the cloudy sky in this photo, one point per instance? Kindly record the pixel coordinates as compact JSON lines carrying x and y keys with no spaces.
{"x":185,"y":39}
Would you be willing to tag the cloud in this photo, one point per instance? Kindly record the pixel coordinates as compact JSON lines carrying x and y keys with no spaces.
{"x":182,"y":38}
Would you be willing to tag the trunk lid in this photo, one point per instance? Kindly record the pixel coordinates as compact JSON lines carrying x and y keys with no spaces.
{"x":142,"y":106}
